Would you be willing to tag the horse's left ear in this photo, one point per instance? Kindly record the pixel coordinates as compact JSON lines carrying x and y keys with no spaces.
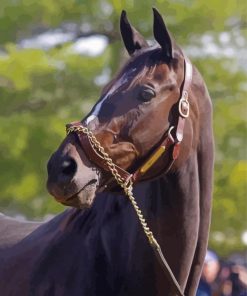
{"x":161,"y":34}
{"x":132,"y":39}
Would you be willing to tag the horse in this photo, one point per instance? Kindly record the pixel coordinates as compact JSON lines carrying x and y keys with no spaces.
{"x":153,"y":126}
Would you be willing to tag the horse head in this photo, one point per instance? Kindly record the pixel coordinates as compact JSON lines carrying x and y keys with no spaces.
{"x":137,"y":111}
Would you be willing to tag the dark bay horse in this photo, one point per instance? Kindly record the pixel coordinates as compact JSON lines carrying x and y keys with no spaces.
{"x":99,"y":248}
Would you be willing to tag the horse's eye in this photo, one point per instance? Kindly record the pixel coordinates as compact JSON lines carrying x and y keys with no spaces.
{"x":147,"y":94}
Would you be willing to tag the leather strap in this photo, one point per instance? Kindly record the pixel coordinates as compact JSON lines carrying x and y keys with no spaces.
{"x":168,"y":272}
{"x":93,"y":154}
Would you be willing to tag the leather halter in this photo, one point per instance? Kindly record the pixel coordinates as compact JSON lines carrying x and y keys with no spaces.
{"x":171,"y":140}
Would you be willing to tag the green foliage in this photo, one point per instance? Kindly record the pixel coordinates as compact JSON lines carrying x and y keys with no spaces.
{"x":41,"y":90}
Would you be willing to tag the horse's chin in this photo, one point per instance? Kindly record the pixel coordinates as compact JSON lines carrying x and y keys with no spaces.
{"x":84,"y":198}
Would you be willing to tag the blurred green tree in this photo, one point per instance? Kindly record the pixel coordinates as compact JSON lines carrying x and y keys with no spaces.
{"x":43,"y":88}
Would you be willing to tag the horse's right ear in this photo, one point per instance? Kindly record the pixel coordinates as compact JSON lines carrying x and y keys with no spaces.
{"x":162,"y":35}
{"x":132,"y":39}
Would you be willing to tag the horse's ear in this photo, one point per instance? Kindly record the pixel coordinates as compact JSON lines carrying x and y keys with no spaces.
{"x":161,"y":34}
{"x":132,"y":39}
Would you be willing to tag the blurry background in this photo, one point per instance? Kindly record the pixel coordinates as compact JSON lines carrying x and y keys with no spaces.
{"x":55,"y":56}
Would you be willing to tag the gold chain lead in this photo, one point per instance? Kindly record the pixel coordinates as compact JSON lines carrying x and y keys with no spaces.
{"x":127,"y":187}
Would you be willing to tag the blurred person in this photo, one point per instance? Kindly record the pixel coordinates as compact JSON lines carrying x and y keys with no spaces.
{"x":210,"y":271}
{"x":235,"y":284}
{"x":242,"y":276}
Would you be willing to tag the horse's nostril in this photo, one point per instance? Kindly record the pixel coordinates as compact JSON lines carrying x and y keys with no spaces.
{"x":69,"y":167}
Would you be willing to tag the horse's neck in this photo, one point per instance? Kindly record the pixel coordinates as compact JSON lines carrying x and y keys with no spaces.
{"x":171,"y":206}
{"x":163,"y":201}
{"x":169,"y":192}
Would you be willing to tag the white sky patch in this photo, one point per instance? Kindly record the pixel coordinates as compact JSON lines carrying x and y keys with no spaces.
{"x":222,"y":45}
{"x":244,"y":238}
{"x":225,"y":44}
{"x":47,"y":39}
{"x":103,"y":78}
{"x":92,"y":46}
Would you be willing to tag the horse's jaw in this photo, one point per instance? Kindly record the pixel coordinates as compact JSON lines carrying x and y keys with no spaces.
{"x":81,"y":192}
{"x":83,"y":198}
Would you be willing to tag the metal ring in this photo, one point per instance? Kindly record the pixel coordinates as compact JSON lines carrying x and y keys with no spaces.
{"x":180,"y":107}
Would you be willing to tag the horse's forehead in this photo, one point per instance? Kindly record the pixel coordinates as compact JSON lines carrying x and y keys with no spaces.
{"x":133,"y":73}
{"x":161,"y":73}
{"x":125,"y":77}
{"x":136,"y":73}
{"x":123,"y":80}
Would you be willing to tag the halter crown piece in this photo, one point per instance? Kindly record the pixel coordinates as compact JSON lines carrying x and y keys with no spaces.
{"x":96,"y":153}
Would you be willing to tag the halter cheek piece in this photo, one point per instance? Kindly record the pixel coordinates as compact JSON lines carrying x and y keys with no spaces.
{"x":171,"y":139}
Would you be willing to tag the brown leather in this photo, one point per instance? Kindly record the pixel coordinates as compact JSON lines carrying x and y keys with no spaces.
{"x":167,"y":270}
{"x":93,"y":154}
{"x":168,"y":142}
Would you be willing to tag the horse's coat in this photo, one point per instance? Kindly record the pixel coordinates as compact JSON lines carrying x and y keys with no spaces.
{"x":102,"y":250}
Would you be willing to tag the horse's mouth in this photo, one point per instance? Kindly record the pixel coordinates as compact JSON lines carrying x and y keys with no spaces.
{"x":84,"y":197}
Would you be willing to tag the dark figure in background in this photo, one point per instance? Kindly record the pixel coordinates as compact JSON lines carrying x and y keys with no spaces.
{"x":232,"y":280}
{"x":222,"y":278}
{"x":209,"y":273}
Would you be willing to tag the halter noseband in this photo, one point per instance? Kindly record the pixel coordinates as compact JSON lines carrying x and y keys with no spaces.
{"x":171,"y":139}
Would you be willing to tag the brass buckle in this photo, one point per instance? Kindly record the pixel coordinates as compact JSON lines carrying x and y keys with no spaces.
{"x":184,"y":106}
